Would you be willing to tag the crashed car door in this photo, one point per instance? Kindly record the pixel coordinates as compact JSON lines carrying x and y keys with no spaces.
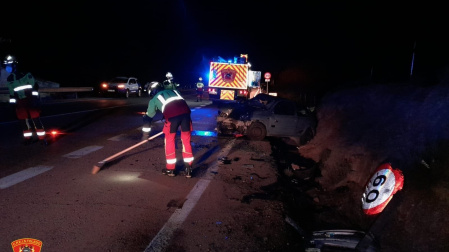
{"x":284,"y":120}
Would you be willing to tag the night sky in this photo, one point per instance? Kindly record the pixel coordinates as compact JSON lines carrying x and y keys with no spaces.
{"x":81,"y":43}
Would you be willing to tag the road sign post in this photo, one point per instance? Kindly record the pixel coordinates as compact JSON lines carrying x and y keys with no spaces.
{"x":267,"y":76}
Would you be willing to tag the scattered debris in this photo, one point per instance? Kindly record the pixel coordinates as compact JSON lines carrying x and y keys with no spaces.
{"x":332,"y":239}
{"x":300,"y":231}
{"x":224,"y":160}
{"x":423,"y":162}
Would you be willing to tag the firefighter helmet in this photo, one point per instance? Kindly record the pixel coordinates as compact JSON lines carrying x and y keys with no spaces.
{"x":9,"y":59}
{"x":155,"y":87}
{"x":10,"y":63}
{"x":169,"y":75}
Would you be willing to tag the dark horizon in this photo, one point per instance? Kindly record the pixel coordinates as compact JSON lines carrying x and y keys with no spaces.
{"x":82,"y":45}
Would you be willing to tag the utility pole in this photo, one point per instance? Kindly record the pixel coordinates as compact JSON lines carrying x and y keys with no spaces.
{"x":413,"y":59}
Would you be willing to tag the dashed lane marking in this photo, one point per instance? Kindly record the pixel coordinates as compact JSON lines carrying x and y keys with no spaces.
{"x":81,"y":152}
{"x":22,"y":176}
{"x":118,"y":137}
{"x":163,"y":237}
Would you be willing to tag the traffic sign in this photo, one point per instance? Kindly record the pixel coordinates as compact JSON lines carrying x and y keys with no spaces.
{"x":267,"y":75}
{"x":384,"y":183}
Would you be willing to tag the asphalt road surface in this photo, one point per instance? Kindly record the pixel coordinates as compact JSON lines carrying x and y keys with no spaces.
{"x":47,"y":191}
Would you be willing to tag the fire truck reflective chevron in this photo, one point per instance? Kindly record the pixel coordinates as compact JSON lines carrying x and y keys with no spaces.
{"x":225,"y":75}
{"x":227,"y":95}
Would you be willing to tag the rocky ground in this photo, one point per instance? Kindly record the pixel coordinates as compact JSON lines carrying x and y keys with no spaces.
{"x":243,"y":208}
{"x":319,"y":185}
{"x":362,"y":128}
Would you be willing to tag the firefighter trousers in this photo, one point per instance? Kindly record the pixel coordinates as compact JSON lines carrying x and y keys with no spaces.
{"x":28,"y":110}
{"x":171,"y":126}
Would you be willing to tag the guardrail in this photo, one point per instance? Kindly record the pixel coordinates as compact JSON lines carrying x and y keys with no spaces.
{"x":58,"y":92}
{"x":63,"y":91}
{"x":66,"y":89}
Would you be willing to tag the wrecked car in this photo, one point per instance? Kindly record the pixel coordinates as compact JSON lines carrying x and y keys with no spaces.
{"x":348,"y":240}
{"x":266,"y":115}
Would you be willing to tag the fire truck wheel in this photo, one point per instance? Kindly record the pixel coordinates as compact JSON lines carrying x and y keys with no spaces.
{"x":257,"y":131}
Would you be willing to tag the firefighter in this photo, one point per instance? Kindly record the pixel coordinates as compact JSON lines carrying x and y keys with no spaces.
{"x":176,"y":113}
{"x":199,"y":89}
{"x":23,"y":90}
{"x":169,"y":83}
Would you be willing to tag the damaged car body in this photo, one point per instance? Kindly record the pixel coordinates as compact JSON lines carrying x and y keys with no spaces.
{"x":266,"y":115}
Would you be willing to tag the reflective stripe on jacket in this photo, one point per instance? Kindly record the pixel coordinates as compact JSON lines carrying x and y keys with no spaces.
{"x":199,"y":85}
{"x":169,"y":102}
{"x":21,"y":85}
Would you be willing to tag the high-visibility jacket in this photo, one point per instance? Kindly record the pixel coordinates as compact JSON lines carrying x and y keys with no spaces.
{"x":199,"y":85}
{"x":21,"y":85}
{"x":169,"y":102}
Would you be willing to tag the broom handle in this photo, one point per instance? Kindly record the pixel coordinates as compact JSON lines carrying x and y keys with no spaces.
{"x":132,"y":147}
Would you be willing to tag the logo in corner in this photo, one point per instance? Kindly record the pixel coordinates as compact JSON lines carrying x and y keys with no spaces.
{"x":26,"y":245}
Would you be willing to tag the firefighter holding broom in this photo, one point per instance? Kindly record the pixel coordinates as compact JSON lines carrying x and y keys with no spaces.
{"x":176,"y":114}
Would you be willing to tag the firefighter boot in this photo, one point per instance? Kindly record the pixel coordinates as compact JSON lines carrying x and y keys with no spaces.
{"x":145,"y":135}
{"x":188,"y":171}
{"x":170,"y":173}
{"x":27,"y":137}
{"x":40,"y":134}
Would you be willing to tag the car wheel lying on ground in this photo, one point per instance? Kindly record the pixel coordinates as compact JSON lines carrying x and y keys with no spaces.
{"x":266,"y":115}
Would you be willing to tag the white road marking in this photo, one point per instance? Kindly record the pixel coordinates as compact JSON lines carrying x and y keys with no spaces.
{"x":118,"y":137}
{"x":163,"y":237}
{"x":22,"y":176}
{"x":81,"y":152}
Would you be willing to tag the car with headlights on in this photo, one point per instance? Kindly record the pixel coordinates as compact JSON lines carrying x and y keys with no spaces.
{"x":121,"y":87}
{"x":265,"y":115}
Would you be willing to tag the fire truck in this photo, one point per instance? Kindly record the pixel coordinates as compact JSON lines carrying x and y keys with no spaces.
{"x":233,"y":80}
